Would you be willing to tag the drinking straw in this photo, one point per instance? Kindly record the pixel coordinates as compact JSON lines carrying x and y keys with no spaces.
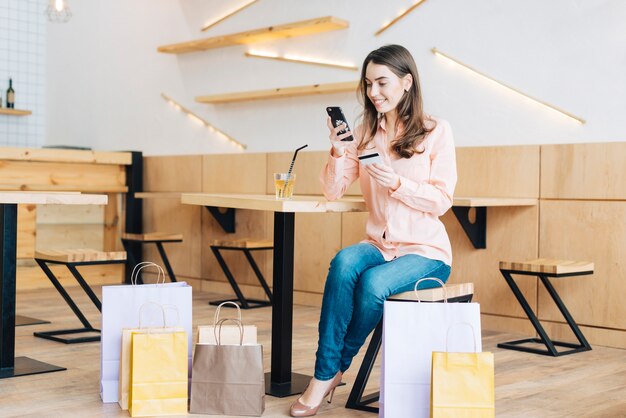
{"x":293,"y":160}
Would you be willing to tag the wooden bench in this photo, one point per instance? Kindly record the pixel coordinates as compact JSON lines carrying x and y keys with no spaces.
{"x":245,"y":245}
{"x":157,"y":238}
{"x":72,"y":259}
{"x":462,"y":292}
{"x":545,"y":268}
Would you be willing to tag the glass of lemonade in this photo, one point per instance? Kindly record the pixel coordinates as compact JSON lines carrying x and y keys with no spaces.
{"x":284,"y":185}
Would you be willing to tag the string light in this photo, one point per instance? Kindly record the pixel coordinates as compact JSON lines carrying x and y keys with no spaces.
{"x":209,"y":25}
{"x":300,"y":59}
{"x":493,"y":80}
{"x":203,"y":122}
{"x":401,"y":14}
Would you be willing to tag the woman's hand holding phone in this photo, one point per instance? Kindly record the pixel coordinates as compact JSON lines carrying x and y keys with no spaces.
{"x":336,"y":138}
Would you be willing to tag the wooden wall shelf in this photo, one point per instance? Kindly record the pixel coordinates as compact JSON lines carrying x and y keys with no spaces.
{"x":14,"y":112}
{"x":348,"y":86}
{"x":288,"y":30}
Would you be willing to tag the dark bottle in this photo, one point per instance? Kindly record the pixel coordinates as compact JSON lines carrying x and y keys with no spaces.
{"x":10,"y":95}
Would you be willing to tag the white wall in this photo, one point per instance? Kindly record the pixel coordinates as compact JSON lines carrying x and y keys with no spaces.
{"x":105,"y":76}
{"x":23,"y":57}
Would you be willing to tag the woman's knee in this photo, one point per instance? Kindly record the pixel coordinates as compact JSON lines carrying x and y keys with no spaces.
{"x":371,"y":291}
{"x":348,"y":261}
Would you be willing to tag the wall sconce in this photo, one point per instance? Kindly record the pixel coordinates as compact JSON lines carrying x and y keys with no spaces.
{"x":475,"y":71}
{"x":58,"y":11}
{"x":300,"y":60}
{"x":400,"y":16}
{"x":200,"y":120}
{"x":226,"y":16}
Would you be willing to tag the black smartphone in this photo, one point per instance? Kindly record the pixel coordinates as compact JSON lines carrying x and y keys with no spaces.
{"x":337,"y":117}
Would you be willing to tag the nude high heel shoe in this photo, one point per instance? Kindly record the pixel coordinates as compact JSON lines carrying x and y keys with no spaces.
{"x":298,"y":409}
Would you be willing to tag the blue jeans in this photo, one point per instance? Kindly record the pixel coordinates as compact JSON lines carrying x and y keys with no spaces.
{"x":359,"y":280}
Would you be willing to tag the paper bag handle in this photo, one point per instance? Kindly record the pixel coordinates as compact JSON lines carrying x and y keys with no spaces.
{"x":175,"y":309}
{"x":151,"y":303}
{"x":461,"y":323}
{"x":218,"y":334}
{"x":443,"y":286}
{"x":144,"y":264}
{"x":217,"y":312}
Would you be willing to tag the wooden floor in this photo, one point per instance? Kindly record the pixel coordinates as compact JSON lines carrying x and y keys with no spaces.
{"x":591,"y":384}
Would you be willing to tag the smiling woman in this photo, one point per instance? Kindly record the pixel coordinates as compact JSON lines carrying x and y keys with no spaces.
{"x":405,"y":192}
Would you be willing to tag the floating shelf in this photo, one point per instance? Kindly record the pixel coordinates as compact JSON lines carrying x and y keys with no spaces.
{"x":288,"y":30}
{"x":278,"y":93}
{"x":14,"y":112}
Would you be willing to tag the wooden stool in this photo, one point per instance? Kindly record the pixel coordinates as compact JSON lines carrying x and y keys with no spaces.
{"x":157,"y":238}
{"x":544,"y":268}
{"x":72,"y":259}
{"x":462,"y":292}
{"x":245,"y":245}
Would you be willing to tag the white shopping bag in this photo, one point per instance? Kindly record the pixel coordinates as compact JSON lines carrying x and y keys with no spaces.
{"x":120,"y":309}
{"x":411,"y":332}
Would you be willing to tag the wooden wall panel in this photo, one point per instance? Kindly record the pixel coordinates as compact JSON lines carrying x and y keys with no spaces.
{"x":318,"y":239}
{"x":234,"y":173}
{"x":26,"y":230}
{"x":511,"y":235}
{"x":583,"y":171}
{"x":27,"y":175}
{"x":353,"y":228}
{"x":172,"y":173}
{"x":498,"y":171}
{"x":307,"y":167}
{"x":593,"y":231}
{"x":70,"y":226}
{"x":170,"y":216}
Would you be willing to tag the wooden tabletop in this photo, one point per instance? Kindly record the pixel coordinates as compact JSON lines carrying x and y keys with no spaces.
{"x":270,"y":203}
{"x":320,"y":204}
{"x":53,"y":198}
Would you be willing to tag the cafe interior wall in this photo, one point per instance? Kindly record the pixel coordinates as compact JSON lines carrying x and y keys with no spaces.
{"x":105,"y":78}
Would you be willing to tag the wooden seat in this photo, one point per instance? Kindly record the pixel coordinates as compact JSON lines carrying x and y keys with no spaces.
{"x":83,"y":255}
{"x":548,"y":265}
{"x":157,"y":238}
{"x":72,"y":259}
{"x":153,"y":236}
{"x":245,"y":245}
{"x":544,"y":268}
{"x":459,"y":292}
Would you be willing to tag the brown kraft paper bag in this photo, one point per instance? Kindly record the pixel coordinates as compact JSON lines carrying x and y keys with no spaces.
{"x":228,"y":379}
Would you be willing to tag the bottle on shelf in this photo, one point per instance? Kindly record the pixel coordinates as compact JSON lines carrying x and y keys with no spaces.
{"x":10,"y":95}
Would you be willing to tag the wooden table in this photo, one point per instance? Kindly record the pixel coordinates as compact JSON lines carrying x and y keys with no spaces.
{"x":280,"y":381}
{"x":11,"y":366}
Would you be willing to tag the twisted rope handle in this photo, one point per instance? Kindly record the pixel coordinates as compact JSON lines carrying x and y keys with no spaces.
{"x":443,"y":286}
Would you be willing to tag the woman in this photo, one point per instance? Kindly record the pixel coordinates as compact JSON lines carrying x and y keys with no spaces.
{"x":405,"y":195}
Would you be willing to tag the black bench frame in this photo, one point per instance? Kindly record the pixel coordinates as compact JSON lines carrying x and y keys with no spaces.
{"x":87,"y":327}
{"x":356,"y":400}
{"x":543,"y":335}
{"x":243,"y":302}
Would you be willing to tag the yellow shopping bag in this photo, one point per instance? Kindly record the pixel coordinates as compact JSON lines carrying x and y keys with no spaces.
{"x":462,"y":385}
{"x":158,"y":374}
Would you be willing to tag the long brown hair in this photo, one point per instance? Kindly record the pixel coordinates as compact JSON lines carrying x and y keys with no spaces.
{"x":410,"y":112}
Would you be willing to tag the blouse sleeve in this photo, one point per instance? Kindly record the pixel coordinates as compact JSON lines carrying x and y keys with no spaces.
{"x":340,"y":172}
{"x":436,"y":194}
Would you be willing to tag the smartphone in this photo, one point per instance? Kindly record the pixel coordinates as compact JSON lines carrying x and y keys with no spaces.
{"x":370,"y":159}
{"x":337,"y":117}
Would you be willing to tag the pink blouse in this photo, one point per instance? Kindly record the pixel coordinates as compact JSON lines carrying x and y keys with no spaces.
{"x":404,"y":221}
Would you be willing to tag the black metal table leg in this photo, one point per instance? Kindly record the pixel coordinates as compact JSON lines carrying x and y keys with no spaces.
{"x":134,"y":209}
{"x":10,"y":366}
{"x":281,"y":382}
